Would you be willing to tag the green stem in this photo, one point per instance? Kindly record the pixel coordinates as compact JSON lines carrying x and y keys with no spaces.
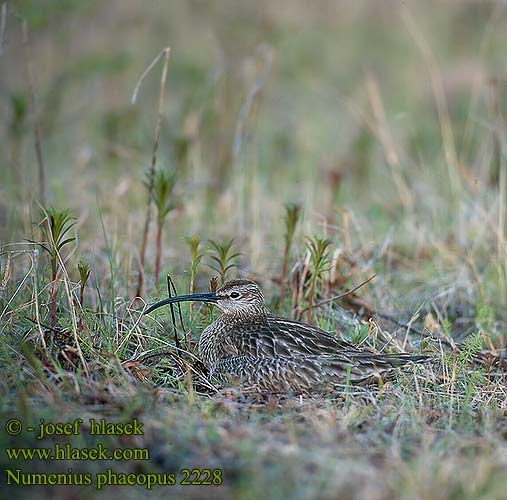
{"x":282,"y":275}
{"x":160,"y":223}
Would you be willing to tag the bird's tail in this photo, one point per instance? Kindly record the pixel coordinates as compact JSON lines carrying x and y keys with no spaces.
{"x":395,"y":360}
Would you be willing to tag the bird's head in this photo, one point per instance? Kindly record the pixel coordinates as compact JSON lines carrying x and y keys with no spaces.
{"x":239,"y":296}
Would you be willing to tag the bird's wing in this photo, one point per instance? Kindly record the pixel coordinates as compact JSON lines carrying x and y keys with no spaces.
{"x":275,"y":336}
{"x":306,"y":373}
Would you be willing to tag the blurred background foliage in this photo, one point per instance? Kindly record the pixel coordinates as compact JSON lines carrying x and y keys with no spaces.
{"x":390,"y":110}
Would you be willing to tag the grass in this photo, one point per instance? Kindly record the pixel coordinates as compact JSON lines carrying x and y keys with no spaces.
{"x":357,"y":141}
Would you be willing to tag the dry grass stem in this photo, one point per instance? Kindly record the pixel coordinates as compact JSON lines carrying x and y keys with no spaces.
{"x":151,"y":176}
{"x":344,"y":294}
{"x":3,"y":26}
{"x":35,"y":117}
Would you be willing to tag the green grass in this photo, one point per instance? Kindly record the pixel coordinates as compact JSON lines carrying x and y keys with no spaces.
{"x":382,"y":126}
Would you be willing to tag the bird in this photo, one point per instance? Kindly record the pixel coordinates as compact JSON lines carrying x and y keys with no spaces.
{"x":258,"y":350}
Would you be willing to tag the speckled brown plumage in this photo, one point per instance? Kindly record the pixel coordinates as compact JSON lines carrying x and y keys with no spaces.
{"x":249,"y":345}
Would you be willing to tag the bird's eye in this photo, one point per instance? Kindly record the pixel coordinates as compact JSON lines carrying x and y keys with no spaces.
{"x":234,"y":295}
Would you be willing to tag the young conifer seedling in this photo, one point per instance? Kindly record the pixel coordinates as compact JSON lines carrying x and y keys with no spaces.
{"x":164,"y":200}
{"x":55,"y":227}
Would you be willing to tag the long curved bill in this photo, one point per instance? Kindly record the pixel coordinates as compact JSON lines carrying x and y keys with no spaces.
{"x":198,"y":297}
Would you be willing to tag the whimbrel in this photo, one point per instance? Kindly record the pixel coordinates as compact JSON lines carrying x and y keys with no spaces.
{"x":249,"y":345}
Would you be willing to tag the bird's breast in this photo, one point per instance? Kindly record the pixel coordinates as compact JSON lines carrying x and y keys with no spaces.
{"x":224,"y":337}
